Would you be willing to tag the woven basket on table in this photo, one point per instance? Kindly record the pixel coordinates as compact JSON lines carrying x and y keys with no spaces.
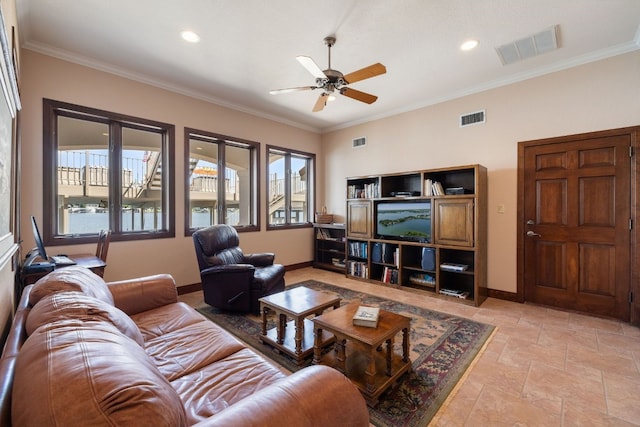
{"x":324,"y":218}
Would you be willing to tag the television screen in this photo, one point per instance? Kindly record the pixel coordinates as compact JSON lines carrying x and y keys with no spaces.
{"x":404,"y":220}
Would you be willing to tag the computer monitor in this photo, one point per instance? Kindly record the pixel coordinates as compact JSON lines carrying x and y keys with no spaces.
{"x":38,"y":238}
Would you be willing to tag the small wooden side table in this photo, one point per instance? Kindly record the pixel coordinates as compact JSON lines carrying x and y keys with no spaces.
{"x":365,"y":364}
{"x":296,"y":304}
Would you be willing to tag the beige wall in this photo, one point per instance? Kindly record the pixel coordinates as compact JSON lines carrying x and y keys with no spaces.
{"x":597,"y":96}
{"x":47,"y":77}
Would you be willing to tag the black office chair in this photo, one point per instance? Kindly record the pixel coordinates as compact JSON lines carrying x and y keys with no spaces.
{"x":232,"y":280}
{"x":104,"y":237}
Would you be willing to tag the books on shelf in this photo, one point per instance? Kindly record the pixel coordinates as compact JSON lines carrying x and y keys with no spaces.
{"x":454,"y":293}
{"x":338,"y":262}
{"x":427,"y":280}
{"x":450,"y":266}
{"x":358,"y":249}
{"x":433,"y":188}
{"x":366,"y":316}
{"x":389,"y":275}
{"x":324,"y":234}
{"x":358,"y":269}
{"x":365,"y":191}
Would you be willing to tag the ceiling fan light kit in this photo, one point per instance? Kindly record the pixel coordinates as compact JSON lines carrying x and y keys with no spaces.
{"x":331,"y":81}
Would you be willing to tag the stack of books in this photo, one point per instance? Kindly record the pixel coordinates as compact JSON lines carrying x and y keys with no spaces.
{"x":433,"y":188}
{"x":366,"y":316}
{"x":455,"y":293}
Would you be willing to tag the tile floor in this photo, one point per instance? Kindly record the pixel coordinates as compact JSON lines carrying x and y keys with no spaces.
{"x":543,"y":367}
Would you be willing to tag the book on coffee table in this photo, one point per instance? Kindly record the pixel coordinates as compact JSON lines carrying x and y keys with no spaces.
{"x":366,"y":316}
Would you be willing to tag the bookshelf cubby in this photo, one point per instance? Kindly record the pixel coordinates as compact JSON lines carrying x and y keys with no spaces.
{"x":329,"y":251}
{"x":450,"y":219}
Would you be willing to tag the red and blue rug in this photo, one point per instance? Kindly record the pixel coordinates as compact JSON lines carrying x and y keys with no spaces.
{"x":443,"y":346}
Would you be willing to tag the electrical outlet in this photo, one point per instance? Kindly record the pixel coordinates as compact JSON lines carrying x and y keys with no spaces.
{"x":501,"y":208}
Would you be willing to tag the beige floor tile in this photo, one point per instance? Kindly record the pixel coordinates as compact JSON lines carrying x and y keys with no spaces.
{"x":577,"y":415}
{"x":623,"y":396}
{"x":544,"y":380}
{"x":621,"y":363}
{"x":497,"y":408}
{"x":543,"y":367}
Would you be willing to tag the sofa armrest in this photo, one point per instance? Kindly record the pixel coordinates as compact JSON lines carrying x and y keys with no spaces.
{"x":13,"y":344}
{"x":260,"y":259}
{"x":144,"y":293}
{"x":312,"y":397}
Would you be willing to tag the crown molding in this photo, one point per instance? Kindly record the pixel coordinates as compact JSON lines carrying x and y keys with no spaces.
{"x":141,"y":78}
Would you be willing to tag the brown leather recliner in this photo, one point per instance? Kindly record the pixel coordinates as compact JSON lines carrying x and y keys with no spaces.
{"x":232,"y":280}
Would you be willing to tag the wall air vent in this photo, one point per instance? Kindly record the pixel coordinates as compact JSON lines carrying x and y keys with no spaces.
{"x":528,"y":47}
{"x":472,"y":118}
{"x":359,"y":142}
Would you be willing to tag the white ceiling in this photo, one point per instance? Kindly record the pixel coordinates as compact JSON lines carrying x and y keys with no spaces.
{"x":248,"y":47}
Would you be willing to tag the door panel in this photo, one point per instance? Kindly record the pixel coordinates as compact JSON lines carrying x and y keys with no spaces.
{"x":577,"y":207}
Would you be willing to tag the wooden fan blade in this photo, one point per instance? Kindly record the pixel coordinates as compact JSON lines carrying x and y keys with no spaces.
{"x":311,"y":67}
{"x":292,"y":89}
{"x":365,"y":73}
{"x":357,"y":95}
{"x":320,"y":103}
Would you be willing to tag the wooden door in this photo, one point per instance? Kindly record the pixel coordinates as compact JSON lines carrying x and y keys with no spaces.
{"x":576,"y":213}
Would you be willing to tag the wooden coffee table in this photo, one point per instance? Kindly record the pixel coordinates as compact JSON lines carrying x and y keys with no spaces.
{"x":295,"y":337}
{"x":365,"y":364}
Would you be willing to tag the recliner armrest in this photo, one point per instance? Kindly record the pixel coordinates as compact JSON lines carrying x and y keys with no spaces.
{"x":260,"y":259}
{"x":227,"y":269}
{"x":312,"y":397}
{"x":144,"y":293}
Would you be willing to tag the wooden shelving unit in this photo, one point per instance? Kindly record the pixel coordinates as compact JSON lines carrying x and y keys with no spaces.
{"x":457,"y":232}
{"x":329,"y":247}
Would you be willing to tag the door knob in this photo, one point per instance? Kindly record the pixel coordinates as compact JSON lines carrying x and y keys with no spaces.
{"x":533,"y":234}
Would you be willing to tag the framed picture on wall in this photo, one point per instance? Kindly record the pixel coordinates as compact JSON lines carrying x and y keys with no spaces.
{"x":9,"y":106}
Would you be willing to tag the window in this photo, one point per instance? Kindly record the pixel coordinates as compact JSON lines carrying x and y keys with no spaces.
{"x":221,"y":181}
{"x":290,"y":181}
{"x":104,"y":170}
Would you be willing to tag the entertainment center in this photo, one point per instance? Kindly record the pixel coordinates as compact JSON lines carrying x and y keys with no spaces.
{"x":423,"y":229}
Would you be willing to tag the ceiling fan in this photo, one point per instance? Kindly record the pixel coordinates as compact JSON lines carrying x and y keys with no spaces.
{"x":331,"y":80}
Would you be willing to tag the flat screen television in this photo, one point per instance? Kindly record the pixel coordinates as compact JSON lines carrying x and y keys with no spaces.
{"x":404,"y":220}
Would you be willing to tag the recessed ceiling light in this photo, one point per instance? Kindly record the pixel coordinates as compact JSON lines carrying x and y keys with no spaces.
{"x":190,"y":36}
{"x":469,"y":44}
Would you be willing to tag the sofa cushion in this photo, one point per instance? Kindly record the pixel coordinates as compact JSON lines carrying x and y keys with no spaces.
{"x":74,"y":305}
{"x":72,"y":278}
{"x":189,"y":349}
{"x":222,"y":384}
{"x":74,"y":372}
{"x":168,"y":318}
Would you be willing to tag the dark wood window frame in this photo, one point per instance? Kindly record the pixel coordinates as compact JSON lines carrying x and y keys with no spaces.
{"x":223,"y":141}
{"x":311,"y":191}
{"x":51,"y":111}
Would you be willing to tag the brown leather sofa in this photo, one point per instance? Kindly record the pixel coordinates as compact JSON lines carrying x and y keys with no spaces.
{"x":83,"y":352}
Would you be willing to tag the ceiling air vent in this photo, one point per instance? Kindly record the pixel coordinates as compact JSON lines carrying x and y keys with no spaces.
{"x":472,"y":118}
{"x":528,"y":47}
{"x":359,"y":142}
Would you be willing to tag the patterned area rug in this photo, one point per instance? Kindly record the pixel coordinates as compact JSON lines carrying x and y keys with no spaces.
{"x":443,"y":346}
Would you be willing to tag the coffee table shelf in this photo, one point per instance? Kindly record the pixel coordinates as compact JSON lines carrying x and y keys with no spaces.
{"x":293,"y":333}
{"x":365,"y":355}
